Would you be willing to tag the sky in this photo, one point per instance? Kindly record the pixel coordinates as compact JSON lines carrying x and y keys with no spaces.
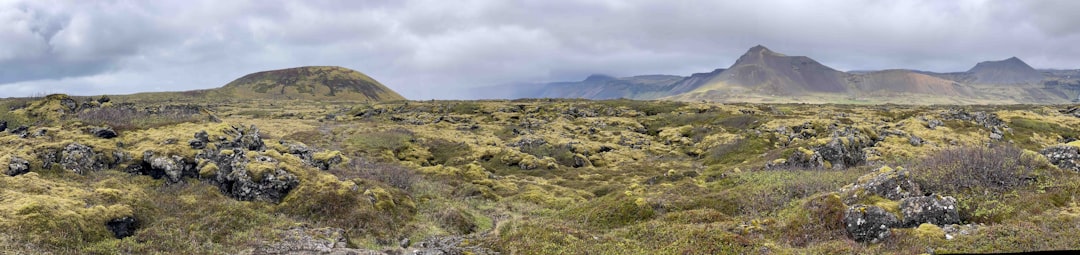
{"x":438,"y":49}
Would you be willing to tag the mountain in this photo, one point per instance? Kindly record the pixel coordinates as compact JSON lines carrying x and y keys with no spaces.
{"x":761,"y":70}
{"x":310,"y":82}
{"x":1008,"y":71}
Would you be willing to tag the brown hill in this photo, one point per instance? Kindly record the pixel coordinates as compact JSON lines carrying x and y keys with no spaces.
{"x":764,"y":71}
{"x":310,"y":82}
{"x":892,"y":82}
{"x":1008,"y":71}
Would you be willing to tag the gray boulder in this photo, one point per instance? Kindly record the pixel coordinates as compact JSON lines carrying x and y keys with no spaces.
{"x":172,"y":167}
{"x":934,"y":209}
{"x":893,"y":184}
{"x":81,"y":159}
{"x":17,"y":166}
{"x":1063,"y":156}
{"x":866,"y":223}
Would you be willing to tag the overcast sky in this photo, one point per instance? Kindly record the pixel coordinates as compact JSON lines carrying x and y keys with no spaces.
{"x":434,"y":48}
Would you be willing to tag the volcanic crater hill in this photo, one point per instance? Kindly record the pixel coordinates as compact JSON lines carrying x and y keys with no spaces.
{"x":1008,"y":71}
{"x":310,"y":82}
{"x":764,"y":71}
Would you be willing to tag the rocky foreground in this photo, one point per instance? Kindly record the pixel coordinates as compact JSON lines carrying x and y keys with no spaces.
{"x":97,"y":175}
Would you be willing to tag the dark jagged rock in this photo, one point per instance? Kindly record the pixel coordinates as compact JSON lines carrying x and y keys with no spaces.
{"x":933,"y":209}
{"x":1063,"y":156}
{"x":1074,"y":111}
{"x":69,"y":103}
{"x":892,"y":184}
{"x":172,"y":167}
{"x":843,"y":151}
{"x":103,"y":99}
{"x":865,"y":223}
{"x":3,"y":125}
{"x":987,"y":120}
{"x":17,"y":166}
{"x":21,"y":131}
{"x":245,"y":138}
{"x":40,"y":133}
{"x":103,"y":132}
{"x":200,"y":141}
{"x":123,"y":227}
{"x":235,"y":180}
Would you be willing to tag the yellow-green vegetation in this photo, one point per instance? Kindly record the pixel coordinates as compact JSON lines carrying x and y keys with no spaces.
{"x":534,"y":176}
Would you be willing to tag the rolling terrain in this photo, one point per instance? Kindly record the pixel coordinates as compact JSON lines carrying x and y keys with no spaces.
{"x":275,"y":173}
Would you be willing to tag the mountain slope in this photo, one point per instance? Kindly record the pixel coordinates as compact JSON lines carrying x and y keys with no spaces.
{"x":893,"y":82}
{"x":1008,"y":71}
{"x":310,"y":82}
{"x":761,"y":70}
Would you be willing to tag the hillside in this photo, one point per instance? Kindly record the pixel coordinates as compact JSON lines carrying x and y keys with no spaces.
{"x":311,"y":82}
{"x":1008,"y":71}
{"x":897,"y":82}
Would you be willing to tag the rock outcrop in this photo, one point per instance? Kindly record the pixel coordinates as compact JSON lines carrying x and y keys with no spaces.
{"x":17,"y":166}
{"x":889,"y":183}
{"x":932,"y":209}
{"x":122,"y":227}
{"x":1063,"y":156}
{"x":866,"y":223}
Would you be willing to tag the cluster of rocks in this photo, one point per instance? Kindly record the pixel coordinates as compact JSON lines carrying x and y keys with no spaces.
{"x":846,"y":148}
{"x":1063,"y":156}
{"x":871,"y":223}
{"x":989,"y":121}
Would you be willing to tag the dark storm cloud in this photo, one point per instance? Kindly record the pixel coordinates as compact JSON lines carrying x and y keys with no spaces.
{"x":434,"y":48}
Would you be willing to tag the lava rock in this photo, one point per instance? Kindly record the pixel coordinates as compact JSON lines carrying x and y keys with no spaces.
{"x":200,"y":141}
{"x":933,"y":209}
{"x":1063,"y":156}
{"x":3,"y":125}
{"x":17,"y":166}
{"x":69,"y":103}
{"x":866,"y":223}
{"x":80,"y":159}
{"x":893,"y":184}
{"x":21,"y":131}
{"x":103,"y":99}
{"x":234,"y":179}
{"x":122,"y":227}
{"x":103,"y":132}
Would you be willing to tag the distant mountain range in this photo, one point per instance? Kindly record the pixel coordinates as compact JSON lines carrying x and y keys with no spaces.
{"x":762,"y":75}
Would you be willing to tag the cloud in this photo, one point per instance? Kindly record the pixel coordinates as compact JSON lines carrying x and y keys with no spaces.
{"x":434,"y":49}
